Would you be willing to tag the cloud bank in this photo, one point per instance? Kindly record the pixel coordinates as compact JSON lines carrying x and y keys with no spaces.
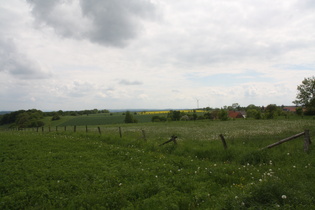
{"x":85,"y":54}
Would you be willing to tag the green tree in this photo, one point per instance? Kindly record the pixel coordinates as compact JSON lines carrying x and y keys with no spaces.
{"x":174,"y":115}
{"x":223,"y":115}
{"x":272,"y":111}
{"x":306,"y":95}
{"x":129,"y":118}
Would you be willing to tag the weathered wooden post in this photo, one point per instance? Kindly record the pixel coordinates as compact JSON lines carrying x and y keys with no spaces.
{"x":143,"y":134}
{"x":99,"y":130}
{"x":307,"y":140}
{"x":223,"y":141}
{"x":65,"y":128}
{"x":120,"y":134}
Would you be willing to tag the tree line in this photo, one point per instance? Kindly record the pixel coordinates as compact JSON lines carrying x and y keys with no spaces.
{"x":33,"y":117}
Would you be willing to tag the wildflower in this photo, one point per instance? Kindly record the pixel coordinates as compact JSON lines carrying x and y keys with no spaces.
{"x":236,"y":197}
{"x":288,"y":153}
{"x":260,"y":180}
{"x":284,"y":197}
{"x":120,"y":184}
{"x":294,"y":166}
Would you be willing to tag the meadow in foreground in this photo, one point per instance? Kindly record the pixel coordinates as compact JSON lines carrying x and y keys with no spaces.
{"x":86,"y":170}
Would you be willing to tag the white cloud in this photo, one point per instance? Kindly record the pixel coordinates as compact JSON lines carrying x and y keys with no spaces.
{"x":153,"y":54}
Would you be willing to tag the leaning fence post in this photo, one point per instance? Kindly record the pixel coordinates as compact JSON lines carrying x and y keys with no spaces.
{"x":99,"y":130}
{"x":307,"y":140}
{"x":120,"y":134}
{"x":223,"y":141}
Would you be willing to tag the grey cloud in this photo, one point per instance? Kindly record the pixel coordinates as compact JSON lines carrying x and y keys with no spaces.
{"x":127,"y":82}
{"x":18,"y":64}
{"x":109,"y":23}
{"x":79,"y":89}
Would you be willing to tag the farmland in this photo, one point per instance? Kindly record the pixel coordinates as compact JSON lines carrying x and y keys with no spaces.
{"x":67,"y":169}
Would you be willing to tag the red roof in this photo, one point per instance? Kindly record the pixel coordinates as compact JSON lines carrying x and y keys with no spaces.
{"x":289,"y":108}
{"x":235,"y":114}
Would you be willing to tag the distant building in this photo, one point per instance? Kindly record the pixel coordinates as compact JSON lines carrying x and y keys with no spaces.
{"x":237,"y":114}
{"x":289,"y":108}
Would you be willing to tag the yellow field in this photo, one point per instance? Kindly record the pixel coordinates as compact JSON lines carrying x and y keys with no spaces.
{"x":165,"y":112}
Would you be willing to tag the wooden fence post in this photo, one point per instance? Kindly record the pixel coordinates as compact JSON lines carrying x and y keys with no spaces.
{"x":307,"y":140}
{"x":99,"y":130}
{"x":223,"y":141}
{"x":120,"y":134}
{"x":65,"y":128}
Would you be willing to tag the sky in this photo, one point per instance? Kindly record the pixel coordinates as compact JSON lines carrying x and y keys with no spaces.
{"x":153,"y":54}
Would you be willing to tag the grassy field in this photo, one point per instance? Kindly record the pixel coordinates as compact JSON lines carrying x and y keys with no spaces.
{"x":49,"y":170}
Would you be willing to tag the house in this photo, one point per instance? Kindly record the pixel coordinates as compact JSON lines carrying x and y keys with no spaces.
{"x":289,"y":108}
{"x":236,"y":114}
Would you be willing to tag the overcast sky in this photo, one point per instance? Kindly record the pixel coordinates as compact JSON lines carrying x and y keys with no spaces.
{"x":168,"y":54}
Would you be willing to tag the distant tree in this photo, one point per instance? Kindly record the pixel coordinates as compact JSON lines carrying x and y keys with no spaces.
{"x":271,"y":111}
{"x":174,"y":115}
{"x":29,"y":118}
{"x":158,"y":119}
{"x":235,"y":106}
{"x":55,"y":117}
{"x":208,"y":115}
{"x":129,"y":118}
{"x":306,"y":95}
{"x":223,"y":115}
{"x":194,"y":116}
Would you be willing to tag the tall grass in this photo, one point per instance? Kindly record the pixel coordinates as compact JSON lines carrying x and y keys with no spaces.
{"x":61,"y":169}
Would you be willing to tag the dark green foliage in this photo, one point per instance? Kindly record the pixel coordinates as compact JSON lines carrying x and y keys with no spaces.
{"x":129,"y":118}
{"x":174,"y":115}
{"x":55,"y":117}
{"x":158,"y":118}
{"x":223,"y":115}
{"x":272,"y":111}
{"x":306,"y":95}
{"x":24,"y":119}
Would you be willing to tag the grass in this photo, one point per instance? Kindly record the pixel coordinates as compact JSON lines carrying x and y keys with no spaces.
{"x":86,"y":170}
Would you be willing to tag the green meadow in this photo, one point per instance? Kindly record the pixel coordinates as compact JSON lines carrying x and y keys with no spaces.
{"x":64,"y":169}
